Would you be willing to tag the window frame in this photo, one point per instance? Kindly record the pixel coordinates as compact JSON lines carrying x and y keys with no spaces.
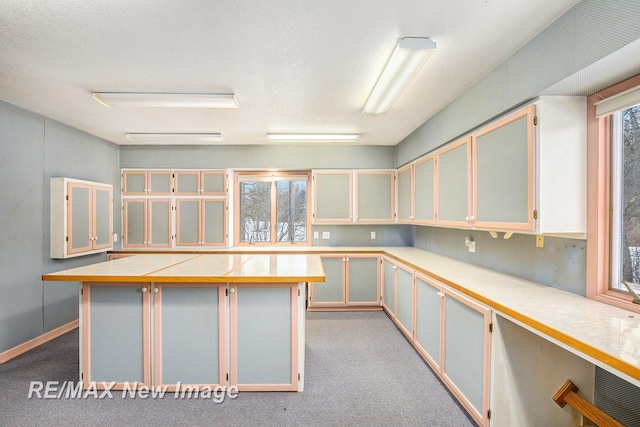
{"x":599,"y":201}
{"x":270,"y":177}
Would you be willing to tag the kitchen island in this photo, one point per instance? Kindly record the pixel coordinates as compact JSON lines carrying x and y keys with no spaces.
{"x":184,"y":321}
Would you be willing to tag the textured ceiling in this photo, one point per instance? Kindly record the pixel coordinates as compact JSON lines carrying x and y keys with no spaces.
{"x":294,"y":65}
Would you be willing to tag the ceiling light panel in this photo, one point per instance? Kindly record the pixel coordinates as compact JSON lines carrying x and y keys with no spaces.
{"x":313,"y":137}
{"x":407,"y":58}
{"x":175,"y":138}
{"x":167,"y":100}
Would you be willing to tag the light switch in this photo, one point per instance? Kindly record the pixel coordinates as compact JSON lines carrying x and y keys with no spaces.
{"x":115,"y":237}
{"x":316,"y":235}
{"x":373,"y":235}
{"x":326,"y":235}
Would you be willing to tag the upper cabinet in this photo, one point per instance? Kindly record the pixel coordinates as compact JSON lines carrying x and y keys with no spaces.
{"x":332,"y":196}
{"x":454,"y":184}
{"x":336,"y":192}
{"x":81,"y":219}
{"x":406,"y":196}
{"x":424,"y":185}
{"x":147,"y":182}
{"x":503,"y":168}
{"x":375,"y":196}
{"x":200,"y":183}
{"x":525,"y":172}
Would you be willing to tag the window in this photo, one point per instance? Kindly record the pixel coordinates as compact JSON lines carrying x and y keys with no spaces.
{"x":625,"y":197}
{"x":613,"y":185}
{"x":272,"y":208}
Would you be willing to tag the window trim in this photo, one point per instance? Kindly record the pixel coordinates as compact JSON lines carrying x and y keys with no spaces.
{"x":598,"y":201}
{"x":267,"y":176}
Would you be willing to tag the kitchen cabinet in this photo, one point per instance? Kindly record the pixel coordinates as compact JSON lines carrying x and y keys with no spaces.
{"x":147,"y":223}
{"x":404,"y":299}
{"x":406,"y":193}
{"x":265,"y":318}
{"x":429,"y":311}
{"x":454,"y":184}
{"x":449,"y":330}
{"x":198,"y":357}
{"x":201,"y":222}
{"x":119,"y":321}
{"x":352,"y":282}
{"x":332,"y":196}
{"x":424,"y":190}
{"x":375,"y":199}
{"x":137,"y":182}
{"x":329,"y":293}
{"x":81,"y":217}
{"x":525,"y":172}
{"x":116,"y":334}
{"x":389,"y":286}
{"x":200,"y":182}
{"x":466,"y":352}
{"x":504,"y":168}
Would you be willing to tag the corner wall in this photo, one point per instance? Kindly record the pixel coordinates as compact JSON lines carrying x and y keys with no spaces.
{"x":33,"y":149}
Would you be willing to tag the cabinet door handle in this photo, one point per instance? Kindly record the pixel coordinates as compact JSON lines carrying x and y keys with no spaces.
{"x":144,"y":289}
{"x":440,"y":294}
{"x":155,"y":290}
{"x":232,"y":290}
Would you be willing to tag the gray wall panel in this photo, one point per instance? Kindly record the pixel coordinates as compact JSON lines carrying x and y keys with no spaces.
{"x":32,"y":149}
{"x":257,"y":156}
{"x":21,"y":237}
{"x":560,"y":264}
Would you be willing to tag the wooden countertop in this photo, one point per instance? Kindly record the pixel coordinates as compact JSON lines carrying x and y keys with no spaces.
{"x":199,"y":268}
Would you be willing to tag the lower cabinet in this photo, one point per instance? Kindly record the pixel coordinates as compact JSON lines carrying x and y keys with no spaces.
{"x":173,"y":336}
{"x":448,"y":329}
{"x":352,"y":282}
{"x":398,"y":294}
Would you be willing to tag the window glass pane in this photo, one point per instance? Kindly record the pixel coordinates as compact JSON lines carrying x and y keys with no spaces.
{"x":626,"y":197}
{"x":255,"y":211}
{"x":291,"y":211}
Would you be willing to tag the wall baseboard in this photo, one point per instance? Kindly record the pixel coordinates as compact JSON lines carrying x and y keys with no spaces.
{"x":37,"y":341}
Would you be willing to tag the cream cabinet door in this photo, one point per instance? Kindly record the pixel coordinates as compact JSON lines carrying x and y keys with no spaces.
{"x":333,"y":195}
{"x":454,"y":184}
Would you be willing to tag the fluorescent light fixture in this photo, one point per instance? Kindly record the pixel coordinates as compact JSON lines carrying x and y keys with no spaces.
{"x":167,"y":100}
{"x":175,"y":138}
{"x":313,"y":137}
{"x":407,"y":58}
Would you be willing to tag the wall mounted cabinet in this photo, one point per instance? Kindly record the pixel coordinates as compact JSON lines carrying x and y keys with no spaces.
{"x":200,"y":183}
{"x":417,"y":192}
{"x":201,"y":222}
{"x":81,"y":217}
{"x":147,"y":223}
{"x":454,"y":184}
{"x":375,"y":196}
{"x":406,"y":194}
{"x":352,"y":282}
{"x":336,"y":192}
{"x":194,"y":204}
{"x":137,"y":182}
{"x":332,"y":197}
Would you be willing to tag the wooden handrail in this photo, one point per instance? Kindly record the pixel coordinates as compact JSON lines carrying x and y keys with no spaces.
{"x":567,"y":394}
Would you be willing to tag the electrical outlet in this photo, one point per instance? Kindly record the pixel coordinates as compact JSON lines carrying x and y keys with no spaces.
{"x":472,"y":246}
{"x":326,"y":235}
{"x":115,"y":237}
{"x":466,"y":241}
{"x":316,"y":235}
{"x":373,"y":235}
{"x":539,"y":240}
